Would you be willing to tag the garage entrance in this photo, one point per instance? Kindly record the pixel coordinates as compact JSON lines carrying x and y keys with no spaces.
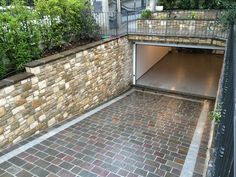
{"x":181,"y":70}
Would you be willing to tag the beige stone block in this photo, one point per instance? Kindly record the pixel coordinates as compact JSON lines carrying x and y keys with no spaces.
{"x":34,"y":80}
{"x":17,"y":139}
{"x":6,"y":133}
{"x":33,"y":125}
{"x":42,"y":84}
{"x":56,"y":89}
{"x":1,"y":130}
{"x":17,"y":109}
{"x":2,"y":138}
{"x":35,"y":70}
{"x":42,"y":118}
{"x":9,"y":89}
{"x":67,"y":85}
{"x":79,"y":55}
{"x":36,"y":103}
{"x":60,"y":99}
{"x":2,"y":111}
{"x":51,"y":122}
{"x":26,"y":87}
{"x":3,"y":101}
{"x":30,"y":120}
{"x":67,"y":66}
{"x":20,"y":101}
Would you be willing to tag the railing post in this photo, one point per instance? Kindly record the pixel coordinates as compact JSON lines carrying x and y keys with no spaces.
{"x":213,"y":33}
{"x":127,"y":13}
{"x":117,"y":27}
{"x":234,"y":93}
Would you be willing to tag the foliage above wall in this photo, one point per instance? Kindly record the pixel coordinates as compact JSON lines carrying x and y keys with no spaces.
{"x":229,"y":17}
{"x":193,"y":4}
{"x":28,"y":33}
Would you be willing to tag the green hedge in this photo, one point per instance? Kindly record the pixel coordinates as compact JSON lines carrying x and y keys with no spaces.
{"x":192,"y":4}
{"x":27,"y":33}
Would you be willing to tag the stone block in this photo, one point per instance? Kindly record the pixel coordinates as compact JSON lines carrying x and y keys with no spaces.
{"x":36,"y":103}
{"x":1,"y":130}
{"x":2,"y":111}
{"x":20,"y":101}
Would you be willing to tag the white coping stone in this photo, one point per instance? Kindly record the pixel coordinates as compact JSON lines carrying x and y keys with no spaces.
{"x":191,"y":158}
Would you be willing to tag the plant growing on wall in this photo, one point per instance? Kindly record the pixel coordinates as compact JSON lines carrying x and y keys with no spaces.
{"x":146,"y":14}
{"x":193,"y":15}
{"x":216,"y":114}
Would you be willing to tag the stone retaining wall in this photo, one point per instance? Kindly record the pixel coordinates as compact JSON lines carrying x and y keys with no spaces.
{"x":61,"y":86}
{"x":191,"y":28}
{"x":188,"y":14}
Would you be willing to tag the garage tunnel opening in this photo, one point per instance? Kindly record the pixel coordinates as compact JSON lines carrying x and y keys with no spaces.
{"x":183,"y":70}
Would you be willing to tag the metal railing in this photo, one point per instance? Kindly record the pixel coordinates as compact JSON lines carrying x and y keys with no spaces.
{"x":114,"y":24}
{"x":28,"y":2}
{"x":223,"y":162}
{"x":178,"y":27}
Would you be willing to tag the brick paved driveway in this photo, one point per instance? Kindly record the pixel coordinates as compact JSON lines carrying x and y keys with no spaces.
{"x":140,"y":135}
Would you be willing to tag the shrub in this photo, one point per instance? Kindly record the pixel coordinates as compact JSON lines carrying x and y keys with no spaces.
{"x":168,"y":4}
{"x":184,"y":4}
{"x":19,"y":36}
{"x":195,"y":4}
{"x":146,"y":14}
{"x":228,"y":17}
{"x":69,"y":20}
{"x":26,"y":33}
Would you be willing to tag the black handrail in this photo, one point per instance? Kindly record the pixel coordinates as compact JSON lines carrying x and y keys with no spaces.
{"x":223,"y":165}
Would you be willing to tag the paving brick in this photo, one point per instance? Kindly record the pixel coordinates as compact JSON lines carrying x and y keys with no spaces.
{"x":13,"y":169}
{"x":5,"y":165}
{"x":85,"y":173}
{"x":39,"y":172}
{"x":53,"y":168}
{"x":6,"y":175}
{"x":42,"y":163}
{"x":142,"y":134}
{"x":132,"y":175}
{"x":65,"y":173}
{"x":66,"y":165}
{"x":24,"y":173}
{"x":122,"y":172}
{"x":140,"y":172}
{"x":110,"y":167}
{"x":17,"y":161}
{"x":112,"y":175}
{"x":28,"y":166}
{"x":41,"y":155}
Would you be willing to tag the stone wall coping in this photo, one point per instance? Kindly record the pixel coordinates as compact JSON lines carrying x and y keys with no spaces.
{"x":14,"y":79}
{"x":67,"y":53}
